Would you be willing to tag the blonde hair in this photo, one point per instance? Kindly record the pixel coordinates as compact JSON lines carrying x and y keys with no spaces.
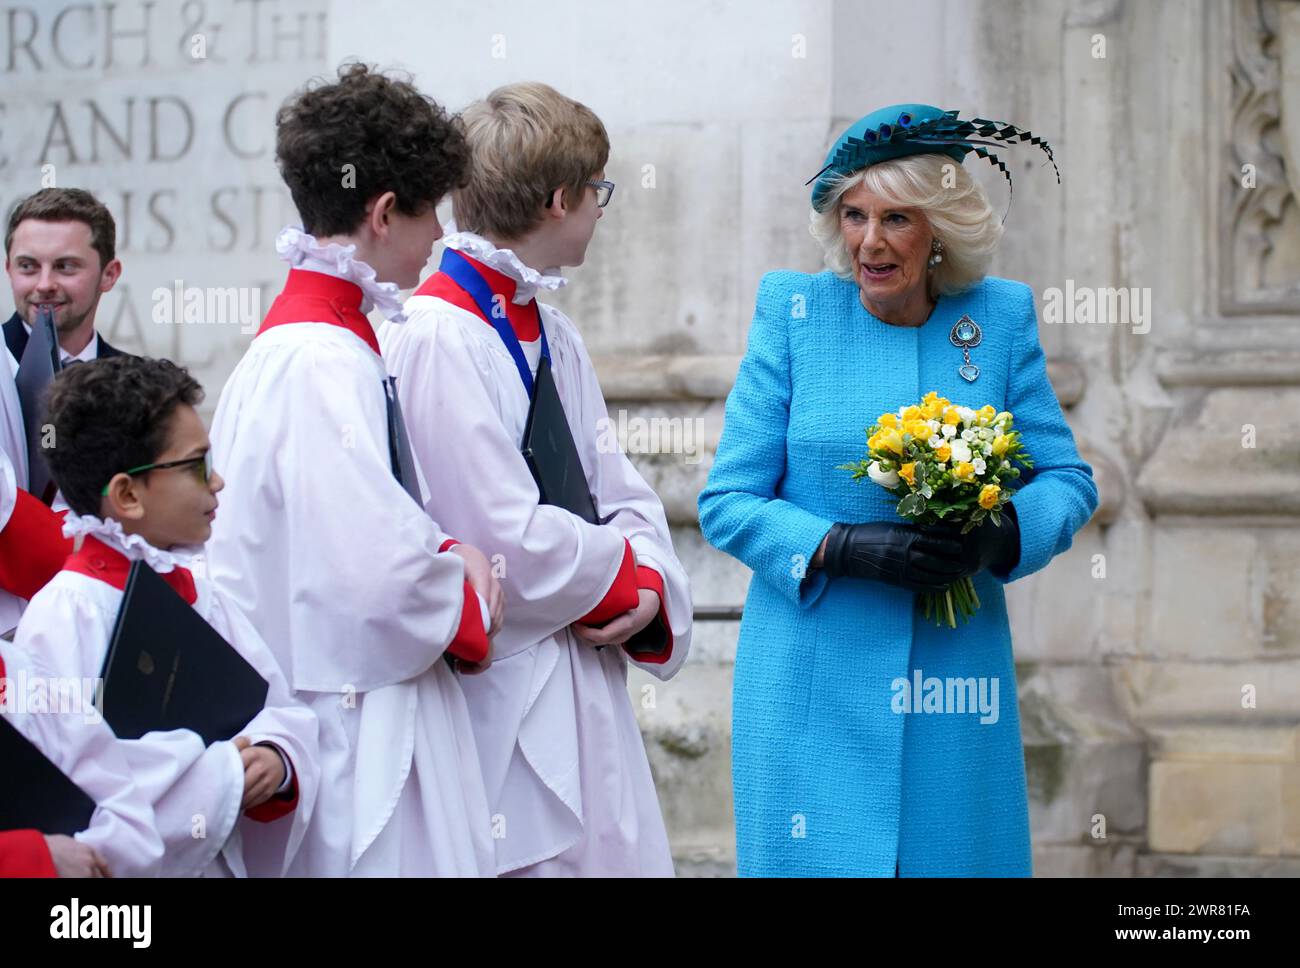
{"x":526,"y":140}
{"x":959,"y":216}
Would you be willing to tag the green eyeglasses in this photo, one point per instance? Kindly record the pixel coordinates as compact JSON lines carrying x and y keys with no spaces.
{"x":201,"y":464}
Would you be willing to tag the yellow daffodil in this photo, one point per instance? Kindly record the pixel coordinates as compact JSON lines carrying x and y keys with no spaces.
{"x":888,"y":420}
{"x":908,"y":473}
{"x":989,"y":496}
{"x":1000,"y":444}
{"x":964,"y":470}
{"x":891,"y":440}
{"x":951,"y":417}
{"x":943,"y":452}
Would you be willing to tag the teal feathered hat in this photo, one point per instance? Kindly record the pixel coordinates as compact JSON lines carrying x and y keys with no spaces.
{"x":917,"y":129}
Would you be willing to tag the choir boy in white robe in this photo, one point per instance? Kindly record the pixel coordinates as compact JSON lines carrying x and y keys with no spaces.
{"x":32,"y":550}
{"x":357,"y":590}
{"x":32,"y":546}
{"x":565,"y":767}
{"x":132,"y":459}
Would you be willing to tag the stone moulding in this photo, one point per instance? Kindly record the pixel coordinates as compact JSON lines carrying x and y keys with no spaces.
{"x":1262,"y":131}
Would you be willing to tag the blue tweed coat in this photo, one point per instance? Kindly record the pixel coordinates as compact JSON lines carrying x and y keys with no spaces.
{"x":837,"y":770}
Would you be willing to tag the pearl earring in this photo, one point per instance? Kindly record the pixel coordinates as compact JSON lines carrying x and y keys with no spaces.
{"x":936,"y":253}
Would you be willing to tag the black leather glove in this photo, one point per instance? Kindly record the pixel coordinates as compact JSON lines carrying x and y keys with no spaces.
{"x":987,"y":546}
{"x":896,"y":554}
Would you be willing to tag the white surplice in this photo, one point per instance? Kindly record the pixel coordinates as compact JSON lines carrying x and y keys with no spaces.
{"x":8,"y":491}
{"x":122,"y":827}
{"x":192,"y":793}
{"x":341,"y":573}
{"x":13,"y":436}
{"x":13,"y":473}
{"x":565,"y":766}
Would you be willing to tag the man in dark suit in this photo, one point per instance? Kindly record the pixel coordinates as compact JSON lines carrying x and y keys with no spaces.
{"x":60,"y":252}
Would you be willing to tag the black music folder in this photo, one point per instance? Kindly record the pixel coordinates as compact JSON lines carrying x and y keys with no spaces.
{"x":38,"y":795}
{"x":551,"y":454}
{"x":36,"y":370}
{"x":167,"y":668}
{"x":399,"y":444}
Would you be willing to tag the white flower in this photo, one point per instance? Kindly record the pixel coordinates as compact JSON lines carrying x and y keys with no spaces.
{"x":960,"y":451}
{"x":979,"y":465}
{"x":986,"y":449}
{"x":883,"y":478}
{"x":967,"y":415}
{"x":934,"y":425}
{"x":949,"y":430}
{"x":968,"y":434}
{"x":935,"y":441}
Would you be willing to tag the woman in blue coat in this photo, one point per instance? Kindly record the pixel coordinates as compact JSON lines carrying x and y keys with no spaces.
{"x":866,"y":740}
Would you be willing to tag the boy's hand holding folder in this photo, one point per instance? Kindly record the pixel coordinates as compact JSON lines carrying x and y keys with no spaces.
{"x":263,"y":772}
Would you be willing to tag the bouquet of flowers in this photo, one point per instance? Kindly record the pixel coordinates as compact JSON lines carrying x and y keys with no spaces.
{"x":948,"y":463}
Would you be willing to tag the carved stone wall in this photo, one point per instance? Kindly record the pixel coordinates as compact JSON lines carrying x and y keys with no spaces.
{"x":1216,"y":681}
{"x":165,"y":111}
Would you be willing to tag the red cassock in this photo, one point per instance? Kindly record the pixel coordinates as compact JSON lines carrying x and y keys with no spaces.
{"x":32,"y":547}
{"x":23,"y":854}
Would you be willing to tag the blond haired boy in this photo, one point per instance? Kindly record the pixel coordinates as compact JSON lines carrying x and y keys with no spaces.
{"x":566,"y":772}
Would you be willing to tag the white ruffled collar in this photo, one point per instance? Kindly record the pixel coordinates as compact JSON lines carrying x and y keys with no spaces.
{"x":527,"y":279}
{"x":134,"y":546}
{"x":302,"y":251}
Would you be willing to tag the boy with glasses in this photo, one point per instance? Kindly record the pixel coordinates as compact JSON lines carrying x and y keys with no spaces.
{"x":567,"y":774}
{"x":133,"y":461}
